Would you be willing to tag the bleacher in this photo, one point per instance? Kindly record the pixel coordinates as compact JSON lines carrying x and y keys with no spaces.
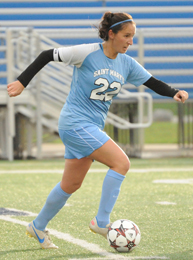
{"x":69,"y":14}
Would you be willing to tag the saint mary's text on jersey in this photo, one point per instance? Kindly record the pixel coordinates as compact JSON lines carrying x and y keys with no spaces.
{"x":109,"y":72}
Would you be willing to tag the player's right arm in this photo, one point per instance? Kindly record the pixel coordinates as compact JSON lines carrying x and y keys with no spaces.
{"x":73,"y":55}
{"x":15,"y":88}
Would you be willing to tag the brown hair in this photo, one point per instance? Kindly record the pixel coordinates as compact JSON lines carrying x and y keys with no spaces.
{"x":108,"y":20}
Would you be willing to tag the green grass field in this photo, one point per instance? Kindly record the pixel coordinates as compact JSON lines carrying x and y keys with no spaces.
{"x":167,"y":230}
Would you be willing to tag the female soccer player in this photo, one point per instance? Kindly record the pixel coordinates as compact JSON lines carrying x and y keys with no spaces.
{"x":99,"y":72}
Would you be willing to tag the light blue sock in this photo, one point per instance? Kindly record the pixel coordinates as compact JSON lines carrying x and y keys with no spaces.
{"x":55,"y":201}
{"x":110,"y":192}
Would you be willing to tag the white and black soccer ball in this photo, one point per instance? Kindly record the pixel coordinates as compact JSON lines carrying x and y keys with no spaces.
{"x":123,"y":235}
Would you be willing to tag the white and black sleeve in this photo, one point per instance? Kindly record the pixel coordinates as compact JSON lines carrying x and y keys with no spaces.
{"x":44,"y":58}
{"x":160,"y":87}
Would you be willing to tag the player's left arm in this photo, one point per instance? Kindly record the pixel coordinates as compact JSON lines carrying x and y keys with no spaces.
{"x":181,"y":96}
{"x":164,"y":89}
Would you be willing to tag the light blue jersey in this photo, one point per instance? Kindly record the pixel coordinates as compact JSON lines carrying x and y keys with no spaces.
{"x":96,"y":80}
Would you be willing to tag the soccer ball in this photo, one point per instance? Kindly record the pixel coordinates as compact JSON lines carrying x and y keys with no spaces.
{"x":123,"y":235}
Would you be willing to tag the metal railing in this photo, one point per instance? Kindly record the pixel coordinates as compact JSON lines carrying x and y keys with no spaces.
{"x":185,"y":126}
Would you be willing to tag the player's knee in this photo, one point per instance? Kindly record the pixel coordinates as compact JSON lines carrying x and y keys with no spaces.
{"x":122,"y":166}
{"x":126,"y":166}
{"x":71,"y":188}
{"x":76,"y":186}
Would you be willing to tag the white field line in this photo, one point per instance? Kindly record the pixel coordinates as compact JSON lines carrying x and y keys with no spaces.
{"x":166,"y":203}
{"x":130,"y":258}
{"x":30,"y":214}
{"x":46,"y":171}
{"x":64,"y":236}
{"x":174,"y":181}
{"x":60,"y":171}
{"x":88,"y":246}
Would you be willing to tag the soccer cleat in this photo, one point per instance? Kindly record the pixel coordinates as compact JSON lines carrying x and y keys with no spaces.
{"x":41,"y":236}
{"x":96,"y":229}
